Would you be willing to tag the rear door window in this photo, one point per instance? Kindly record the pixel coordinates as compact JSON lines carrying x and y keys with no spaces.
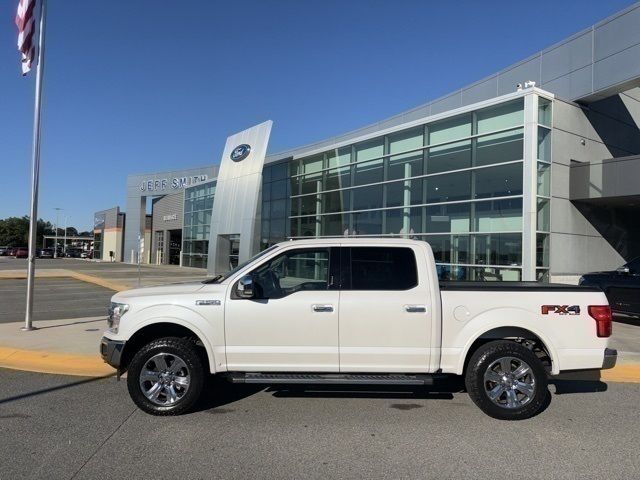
{"x":379,"y":268}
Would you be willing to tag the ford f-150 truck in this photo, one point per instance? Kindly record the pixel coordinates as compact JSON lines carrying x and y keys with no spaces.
{"x":354,"y":311}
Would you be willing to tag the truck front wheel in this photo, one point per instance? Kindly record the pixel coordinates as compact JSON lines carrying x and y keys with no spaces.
{"x":165,"y":377}
{"x":506,"y":380}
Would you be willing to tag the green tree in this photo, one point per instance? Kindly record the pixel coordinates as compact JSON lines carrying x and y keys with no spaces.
{"x":14,"y":231}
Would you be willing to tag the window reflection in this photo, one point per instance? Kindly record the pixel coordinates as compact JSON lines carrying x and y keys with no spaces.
{"x":422,"y":182}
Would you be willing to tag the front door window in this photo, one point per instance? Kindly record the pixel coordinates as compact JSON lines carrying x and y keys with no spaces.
{"x":293,"y":271}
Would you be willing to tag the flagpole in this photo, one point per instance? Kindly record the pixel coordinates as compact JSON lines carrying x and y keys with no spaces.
{"x":35,"y":171}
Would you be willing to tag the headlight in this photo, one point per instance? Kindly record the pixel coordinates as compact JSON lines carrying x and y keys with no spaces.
{"x":116,"y":311}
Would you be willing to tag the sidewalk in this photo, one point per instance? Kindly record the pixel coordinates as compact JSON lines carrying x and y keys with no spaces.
{"x":66,"y":347}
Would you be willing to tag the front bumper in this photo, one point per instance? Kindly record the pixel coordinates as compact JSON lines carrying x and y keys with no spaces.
{"x":111,"y":351}
{"x":610,"y":358}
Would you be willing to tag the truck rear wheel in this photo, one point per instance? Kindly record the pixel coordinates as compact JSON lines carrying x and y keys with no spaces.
{"x":506,"y":380}
{"x":165,"y":377}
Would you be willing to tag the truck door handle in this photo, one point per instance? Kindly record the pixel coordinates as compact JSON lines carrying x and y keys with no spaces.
{"x":322,"y":308}
{"x":415,"y":309}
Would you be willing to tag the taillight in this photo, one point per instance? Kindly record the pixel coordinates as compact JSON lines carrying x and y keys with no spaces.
{"x":602,"y":315}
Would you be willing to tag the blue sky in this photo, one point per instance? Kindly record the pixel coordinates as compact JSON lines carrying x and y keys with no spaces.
{"x":146,"y":85}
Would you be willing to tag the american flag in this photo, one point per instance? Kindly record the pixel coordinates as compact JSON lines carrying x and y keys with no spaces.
{"x":25,"y":21}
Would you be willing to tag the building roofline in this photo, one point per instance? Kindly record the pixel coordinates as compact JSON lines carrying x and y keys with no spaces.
{"x":425,"y":109}
{"x":353,"y":137}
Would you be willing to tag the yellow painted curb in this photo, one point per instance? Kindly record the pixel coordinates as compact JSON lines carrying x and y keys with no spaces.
{"x":83,"y":277}
{"x":624,"y":372}
{"x":118,"y":287}
{"x":50,"y":362}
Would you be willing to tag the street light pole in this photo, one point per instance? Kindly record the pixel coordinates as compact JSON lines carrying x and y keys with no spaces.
{"x":55,"y":249}
{"x":64,"y":248}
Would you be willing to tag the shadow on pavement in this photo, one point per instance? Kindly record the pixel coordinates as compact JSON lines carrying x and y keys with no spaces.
{"x":587,"y":381}
{"x":101,"y":319}
{"x":44,"y":391}
{"x":219,"y":392}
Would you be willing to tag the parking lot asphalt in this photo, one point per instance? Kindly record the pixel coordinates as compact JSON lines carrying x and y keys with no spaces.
{"x":65,"y":427}
{"x":121,"y":273}
{"x":54,"y":298}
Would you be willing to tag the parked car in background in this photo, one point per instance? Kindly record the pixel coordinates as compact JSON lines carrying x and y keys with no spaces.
{"x":86,"y":254}
{"x":10,"y":252}
{"x":45,"y":253}
{"x":621,"y":286}
{"x":72,"y":253}
{"x":21,"y":252}
{"x":3,"y":251}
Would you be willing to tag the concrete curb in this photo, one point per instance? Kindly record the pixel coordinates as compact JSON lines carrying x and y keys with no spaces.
{"x":53,"y":362}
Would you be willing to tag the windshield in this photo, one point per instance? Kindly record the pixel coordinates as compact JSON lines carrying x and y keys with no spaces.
{"x":222,"y":278}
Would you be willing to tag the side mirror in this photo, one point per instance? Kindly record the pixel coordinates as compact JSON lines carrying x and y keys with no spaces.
{"x":624,"y":269}
{"x":245,"y":288}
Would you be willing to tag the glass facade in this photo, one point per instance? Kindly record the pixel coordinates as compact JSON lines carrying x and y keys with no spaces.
{"x":98,"y":234}
{"x":276,"y":204}
{"x":543,"y":192}
{"x":198,"y":205}
{"x":456,"y":183}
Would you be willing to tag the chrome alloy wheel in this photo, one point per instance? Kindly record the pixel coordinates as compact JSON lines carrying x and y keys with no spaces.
{"x":509,"y":382}
{"x":164,"y":379}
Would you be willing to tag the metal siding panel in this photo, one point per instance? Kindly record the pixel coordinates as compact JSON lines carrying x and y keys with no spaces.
{"x":166,"y":206}
{"x":572,"y":85}
{"x":529,"y":70}
{"x":235,"y":204}
{"x":447,"y":103}
{"x":616,"y":35}
{"x":566,"y":58}
{"x":617,"y":68}
{"x":417,"y":113}
{"x":480,"y":91}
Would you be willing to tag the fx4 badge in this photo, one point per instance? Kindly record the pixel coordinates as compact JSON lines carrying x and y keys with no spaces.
{"x":561,"y":309}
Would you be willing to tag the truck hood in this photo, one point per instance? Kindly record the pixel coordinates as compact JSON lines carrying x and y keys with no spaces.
{"x":169,"y":289}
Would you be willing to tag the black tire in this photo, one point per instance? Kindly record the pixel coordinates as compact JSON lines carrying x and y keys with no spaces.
{"x":185,"y":351}
{"x":490,"y":355}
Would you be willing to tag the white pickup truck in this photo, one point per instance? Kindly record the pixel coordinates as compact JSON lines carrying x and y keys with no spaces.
{"x":354,"y":311}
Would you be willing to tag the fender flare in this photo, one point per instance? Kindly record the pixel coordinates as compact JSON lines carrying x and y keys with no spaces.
{"x":152,"y":320}
{"x":493,"y":324}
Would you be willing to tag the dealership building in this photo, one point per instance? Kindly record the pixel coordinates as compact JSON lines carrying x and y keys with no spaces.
{"x":529,"y":174}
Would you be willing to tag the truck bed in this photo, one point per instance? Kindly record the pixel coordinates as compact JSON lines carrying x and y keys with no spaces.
{"x":513,"y":286}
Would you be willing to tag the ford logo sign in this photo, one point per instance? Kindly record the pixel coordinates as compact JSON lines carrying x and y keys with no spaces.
{"x":240,"y":152}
